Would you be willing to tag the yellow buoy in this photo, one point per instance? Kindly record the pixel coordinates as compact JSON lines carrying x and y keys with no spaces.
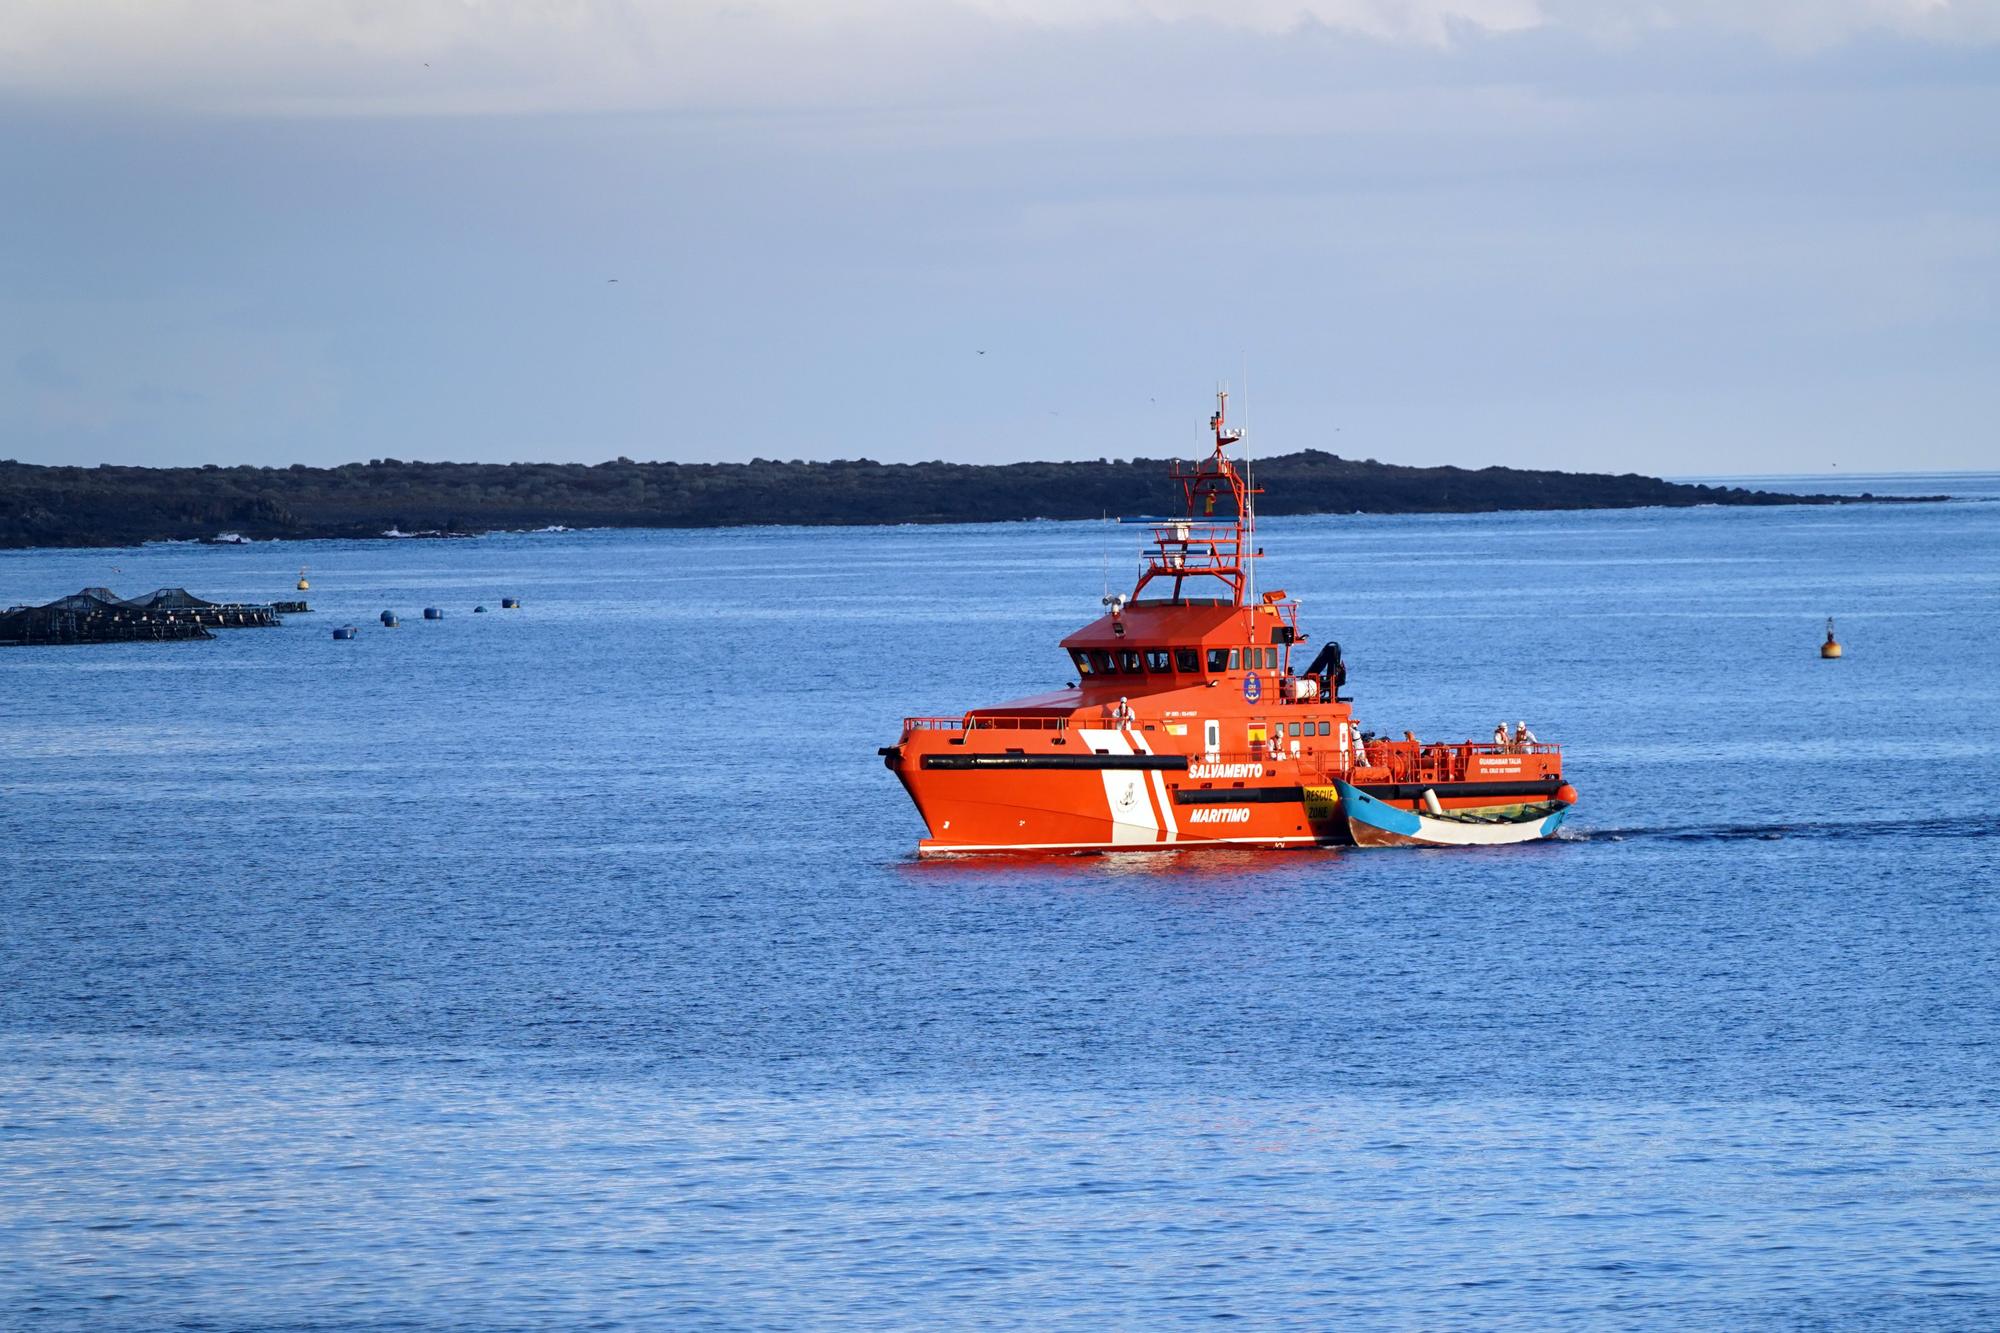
{"x":303,"y":585}
{"x":1831,"y":648}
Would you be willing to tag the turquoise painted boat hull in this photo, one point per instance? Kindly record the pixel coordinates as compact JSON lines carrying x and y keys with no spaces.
{"x":1376,"y":823}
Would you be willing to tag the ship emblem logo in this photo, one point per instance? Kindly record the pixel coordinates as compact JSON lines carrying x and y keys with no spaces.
{"x":1253,"y":689}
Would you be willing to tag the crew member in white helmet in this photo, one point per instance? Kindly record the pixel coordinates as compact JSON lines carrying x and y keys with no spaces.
{"x":1122,"y":714}
{"x":1523,"y":738}
{"x":1500,"y":736}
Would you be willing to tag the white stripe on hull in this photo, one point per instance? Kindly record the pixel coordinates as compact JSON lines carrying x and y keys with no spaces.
{"x":1166,"y":806}
{"x":1125,"y":797}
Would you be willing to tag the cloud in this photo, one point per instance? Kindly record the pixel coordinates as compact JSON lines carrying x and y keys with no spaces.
{"x":471,"y":56}
{"x":1675,"y":236}
{"x":1431,"y":22}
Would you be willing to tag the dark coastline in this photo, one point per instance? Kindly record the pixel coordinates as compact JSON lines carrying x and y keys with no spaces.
{"x":122,"y":506}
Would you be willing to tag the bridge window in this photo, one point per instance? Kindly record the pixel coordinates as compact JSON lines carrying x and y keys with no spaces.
{"x":1326,"y":728}
{"x":1232,"y":659}
{"x":1295,"y":728}
{"x":1128,"y":662}
{"x":1158,"y":659}
{"x":1082,"y":660}
{"x":1187,"y":660}
{"x":1218,"y":659}
{"x":1103,"y":663}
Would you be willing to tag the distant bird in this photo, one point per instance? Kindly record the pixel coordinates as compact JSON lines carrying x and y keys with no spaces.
{"x":611,"y":279}
{"x":982,"y":351}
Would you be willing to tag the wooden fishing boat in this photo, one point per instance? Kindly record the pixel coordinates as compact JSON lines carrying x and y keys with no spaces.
{"x":1372,"y":822}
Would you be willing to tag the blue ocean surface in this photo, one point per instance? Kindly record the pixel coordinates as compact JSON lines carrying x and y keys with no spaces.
{"x":571,"y":966}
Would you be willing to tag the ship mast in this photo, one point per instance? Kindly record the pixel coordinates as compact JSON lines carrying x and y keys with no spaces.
{"x":1207,"y":544}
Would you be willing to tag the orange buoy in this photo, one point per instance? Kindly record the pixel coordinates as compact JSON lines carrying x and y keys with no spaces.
{"x":1831,"y":648}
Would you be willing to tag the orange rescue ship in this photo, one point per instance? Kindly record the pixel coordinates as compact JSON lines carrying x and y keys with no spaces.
{"x":1190,"y":726}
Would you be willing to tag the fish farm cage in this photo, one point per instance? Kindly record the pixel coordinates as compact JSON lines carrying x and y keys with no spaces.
{"x":98,"y":615}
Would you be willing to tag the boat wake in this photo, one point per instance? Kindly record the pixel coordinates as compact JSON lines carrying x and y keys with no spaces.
{"x":1934,"y":827}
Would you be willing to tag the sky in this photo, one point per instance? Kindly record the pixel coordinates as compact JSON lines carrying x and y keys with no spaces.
{"x":1680,"y":237}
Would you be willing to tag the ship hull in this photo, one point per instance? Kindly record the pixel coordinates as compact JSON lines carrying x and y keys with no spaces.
{"x":1110,"y":791}
{"x":1117,"y":795}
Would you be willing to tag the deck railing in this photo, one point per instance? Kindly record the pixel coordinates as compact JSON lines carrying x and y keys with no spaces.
{"x":1194,"y":546}
{"x":1406,"y":761}
{"x":993,"y":722}
{"x":1055,"y":722}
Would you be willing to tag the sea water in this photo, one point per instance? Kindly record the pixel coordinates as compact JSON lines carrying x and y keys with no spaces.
{"x":570,"y":966}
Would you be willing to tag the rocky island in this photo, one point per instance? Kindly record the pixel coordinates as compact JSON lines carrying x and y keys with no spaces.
{"x":115,"y":506}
